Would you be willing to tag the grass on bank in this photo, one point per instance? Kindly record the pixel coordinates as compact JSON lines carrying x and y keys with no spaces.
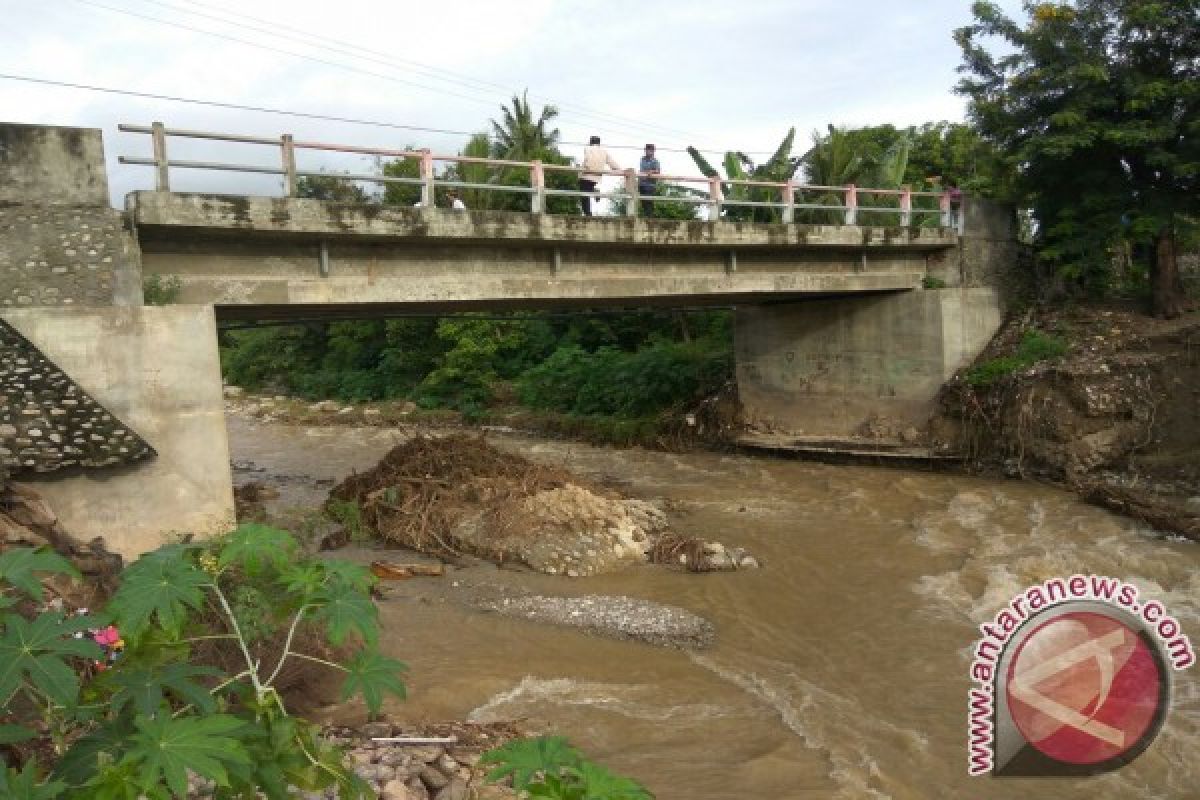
{"x":1035,"y":346}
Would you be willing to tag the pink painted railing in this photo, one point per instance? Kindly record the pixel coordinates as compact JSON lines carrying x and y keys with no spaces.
{"x":711,"y":194}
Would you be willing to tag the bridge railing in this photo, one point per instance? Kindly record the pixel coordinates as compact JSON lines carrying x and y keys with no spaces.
{"x":848,"y":205}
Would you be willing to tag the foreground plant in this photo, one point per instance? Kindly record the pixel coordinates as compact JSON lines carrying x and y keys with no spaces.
{"x":549,"y":767}
{"x":140,"y":727}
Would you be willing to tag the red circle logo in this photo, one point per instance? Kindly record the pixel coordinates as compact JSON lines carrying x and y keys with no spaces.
{"x":1084,"y":688}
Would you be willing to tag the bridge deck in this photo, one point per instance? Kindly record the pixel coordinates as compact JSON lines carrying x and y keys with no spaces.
{"x":252,"y":253}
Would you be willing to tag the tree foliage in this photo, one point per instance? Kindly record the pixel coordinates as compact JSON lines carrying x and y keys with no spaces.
{"x":1097,"y":105}
{"x":462,"y":362}
{"x":779,"y":168}
{"x":331,"y":188}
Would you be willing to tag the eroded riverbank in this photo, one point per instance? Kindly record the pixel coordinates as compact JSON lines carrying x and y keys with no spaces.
{"x":839,"y":668}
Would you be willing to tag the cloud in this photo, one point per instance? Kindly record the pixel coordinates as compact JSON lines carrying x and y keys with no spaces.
{"x":676,"y":72}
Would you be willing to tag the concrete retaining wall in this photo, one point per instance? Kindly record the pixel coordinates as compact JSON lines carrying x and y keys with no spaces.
{"x":849,"y":366}
{"x":157,"y":370}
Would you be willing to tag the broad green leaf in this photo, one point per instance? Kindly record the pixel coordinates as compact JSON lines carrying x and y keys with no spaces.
{"x":356,"y":576}
{"x":26,"y":785}
{"x":96,"y":752}
{"x":600,"y":783}
{"x":19,"y":565}
{"x":371,"y":675}
{"x":146,"y":687}
{"x":164,"y":749}
{"x":526,"y":759}
{"x":11,"y":734}
{"x":34,"y":650}
{"x":556,"y":787}
{"x":254,"y":547}
{"x":302,"y":581}
{"x":162,"y":584}
{"x":345,"y":609}
{"x":114,"y":782}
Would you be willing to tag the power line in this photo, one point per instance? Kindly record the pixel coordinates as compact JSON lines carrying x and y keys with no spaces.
{"x":282,"y":51}
{"x":356,"y":50}
{"x":279,"y":111}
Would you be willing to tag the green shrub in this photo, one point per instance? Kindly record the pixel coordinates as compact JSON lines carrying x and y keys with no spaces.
{"x":1034,"y":346}
{"x":610,"y":381}
{"x":160,"y":290}
{"x":348,"y":514}
{"x":933,"y":282}
{"x":159,"y":712}
{"x":549,"y":767}
{"x":1037,"y":346}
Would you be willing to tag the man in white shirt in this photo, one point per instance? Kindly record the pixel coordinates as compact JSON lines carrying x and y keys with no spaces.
{"x":595,"y":159}
{"x":456,"y":202}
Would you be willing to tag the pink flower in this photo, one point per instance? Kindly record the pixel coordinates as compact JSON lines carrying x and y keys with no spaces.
{"x":107,"y":637}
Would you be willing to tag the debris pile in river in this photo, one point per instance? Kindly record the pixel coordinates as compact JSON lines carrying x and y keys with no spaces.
{"x":458,"y":495}
{"x":697,"y":555}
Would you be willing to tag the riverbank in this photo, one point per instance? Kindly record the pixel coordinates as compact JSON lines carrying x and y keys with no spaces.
{"x":713,"y":422}
{"x":1102,"y":401}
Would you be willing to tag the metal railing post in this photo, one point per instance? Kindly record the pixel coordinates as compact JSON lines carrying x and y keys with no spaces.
{"x":789,"y":203}
{"x":631,"y":189}
{"x":288,"y":151}
{"x":158,"y":135}
{"x":851,"y":204}
{"x":944,"y":205}
{"x":537,"y":179}
{"x":714,"y":199}
{"x":427,"y":191}
{"x":905,"y":206}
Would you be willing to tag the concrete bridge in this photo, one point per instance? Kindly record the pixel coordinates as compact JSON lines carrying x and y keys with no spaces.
{"x":255,"y":256}
{"x":836,"y":326}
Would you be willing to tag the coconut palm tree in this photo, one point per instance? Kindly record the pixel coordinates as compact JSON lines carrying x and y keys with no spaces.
{"x":518,"y":136}
{"x":834,"y":159}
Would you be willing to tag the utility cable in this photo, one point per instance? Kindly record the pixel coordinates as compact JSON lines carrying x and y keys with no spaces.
{"x":282,"y":51}
{"x":279,"y":111}
{"x":355,"y":50}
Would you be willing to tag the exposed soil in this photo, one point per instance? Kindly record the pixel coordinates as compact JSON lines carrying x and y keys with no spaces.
{"x":26,"y":520}
{"x":1117,"y":417}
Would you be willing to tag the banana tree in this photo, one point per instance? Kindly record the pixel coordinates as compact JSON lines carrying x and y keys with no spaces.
{"x":779,"y":168}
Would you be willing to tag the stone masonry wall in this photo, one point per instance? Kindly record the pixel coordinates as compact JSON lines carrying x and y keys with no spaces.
{"x":61,"y":244}
{"x":59,"y":255}
{"x":47,"y":422}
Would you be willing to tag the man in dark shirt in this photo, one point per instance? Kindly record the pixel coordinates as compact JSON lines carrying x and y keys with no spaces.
{"x":647,"y":167}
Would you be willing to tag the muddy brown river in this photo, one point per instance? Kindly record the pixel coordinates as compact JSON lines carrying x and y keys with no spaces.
{"x":839,"y":669}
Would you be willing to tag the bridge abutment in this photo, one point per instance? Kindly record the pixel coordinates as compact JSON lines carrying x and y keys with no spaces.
{"x":871,"y":365}
{"x":70,"y":284}
{"x":852,"y":366}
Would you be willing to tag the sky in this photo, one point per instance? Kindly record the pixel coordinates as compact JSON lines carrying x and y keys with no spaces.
{"x":717,"y":75}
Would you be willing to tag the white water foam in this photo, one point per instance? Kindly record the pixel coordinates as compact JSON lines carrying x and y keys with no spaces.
{"x":1003,"y":551}
{"x":636,"y":701}
{"x":832,"y":724}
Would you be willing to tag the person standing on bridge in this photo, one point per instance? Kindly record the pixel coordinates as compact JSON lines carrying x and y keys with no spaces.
{"x":648,"y":167}
{"x":595,"y":159}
